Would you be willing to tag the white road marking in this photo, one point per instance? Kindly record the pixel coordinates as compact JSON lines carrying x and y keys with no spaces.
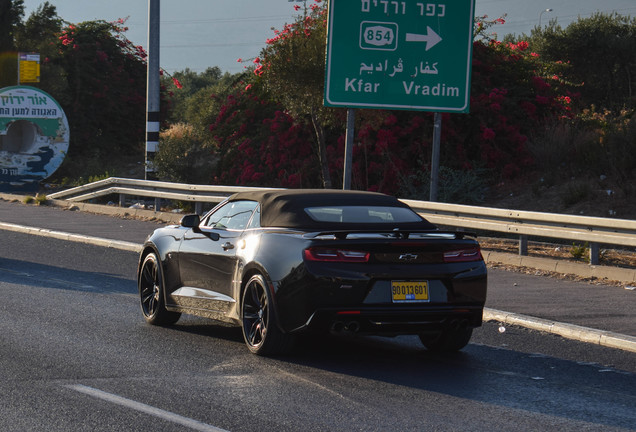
{"x":79,"y":238}
{"x":129,"y":403}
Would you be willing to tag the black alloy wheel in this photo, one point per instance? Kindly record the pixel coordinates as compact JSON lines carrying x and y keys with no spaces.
{"x":151,"y":293}
{"x":260,"y":331}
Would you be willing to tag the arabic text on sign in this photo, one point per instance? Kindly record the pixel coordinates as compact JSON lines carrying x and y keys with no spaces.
{"x":423,"y":69}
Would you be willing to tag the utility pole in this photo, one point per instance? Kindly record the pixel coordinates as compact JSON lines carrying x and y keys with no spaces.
{"x":152,"y":90}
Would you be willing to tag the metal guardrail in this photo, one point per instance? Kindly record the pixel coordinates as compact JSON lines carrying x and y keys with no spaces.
{"x":198,"y":194}
{"x":592,"y":230}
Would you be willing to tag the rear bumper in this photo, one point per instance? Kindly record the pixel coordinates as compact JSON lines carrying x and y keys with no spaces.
{"x":378,"y":320}
{"x":315,"y":300}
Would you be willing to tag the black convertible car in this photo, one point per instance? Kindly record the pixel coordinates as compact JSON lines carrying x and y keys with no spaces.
{"x":284,"y":262}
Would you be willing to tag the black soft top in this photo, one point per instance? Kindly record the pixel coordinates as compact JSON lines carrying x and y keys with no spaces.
{"x":285,"y":208}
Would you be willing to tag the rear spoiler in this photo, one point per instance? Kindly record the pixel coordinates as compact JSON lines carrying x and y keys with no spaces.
{"x":395,"y":233}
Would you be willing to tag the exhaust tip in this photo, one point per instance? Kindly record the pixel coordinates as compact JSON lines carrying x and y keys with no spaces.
{"x":337,"y":326}
{"x":352,"y":326}
{"x":459,"y":324}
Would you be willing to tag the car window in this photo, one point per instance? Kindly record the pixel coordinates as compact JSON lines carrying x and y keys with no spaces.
{"x":233,"y":215}
{"x":256,"y":219}
{"x":360,"y":214}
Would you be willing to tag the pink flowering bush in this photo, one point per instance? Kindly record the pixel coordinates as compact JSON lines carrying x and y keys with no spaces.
{"x":260,"y":145}
{"x":513,"y":94}
{"x":104,"y":96}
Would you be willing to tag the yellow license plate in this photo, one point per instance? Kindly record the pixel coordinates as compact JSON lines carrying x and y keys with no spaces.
{"x":409,"y":291}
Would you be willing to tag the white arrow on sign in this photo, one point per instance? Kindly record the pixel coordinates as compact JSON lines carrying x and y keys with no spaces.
{"x":431,"y":38}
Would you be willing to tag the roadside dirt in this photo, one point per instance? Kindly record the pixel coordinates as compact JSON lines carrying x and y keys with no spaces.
{"x":609,"y":257}
{"x":585,"y":195}
{"x":574,"y":253}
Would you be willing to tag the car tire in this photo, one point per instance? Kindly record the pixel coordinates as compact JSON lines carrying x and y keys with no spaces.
{"x":448,"y":340}
{"x":258,"y":320}
{"x":151,"y":293}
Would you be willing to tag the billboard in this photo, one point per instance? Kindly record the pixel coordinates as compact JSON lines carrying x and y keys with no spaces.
{"x":34,"y":137}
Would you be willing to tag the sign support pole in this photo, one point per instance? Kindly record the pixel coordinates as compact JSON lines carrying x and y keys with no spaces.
{"x":437,"y":135}
{"x":153,"y":89}
{"x":407,"y":55}
{"x":348,"y":160}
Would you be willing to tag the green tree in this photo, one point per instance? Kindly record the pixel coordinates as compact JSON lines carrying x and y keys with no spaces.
{"x":601,"y":52}
{"x":291,"y":69}
{"x":40,"y":29}
{"x":187,"y":151}
{"x":183,"y":156}
{"x":202,"y":107}
{"x":11,"y":14}
{"x":188,"y":85}
{"x":40,"y":34}
{"x":104,"y":100}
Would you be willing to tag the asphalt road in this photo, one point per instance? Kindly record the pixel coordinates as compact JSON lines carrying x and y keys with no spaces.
{"x":606,"y":308}
{"x":75,"y":355}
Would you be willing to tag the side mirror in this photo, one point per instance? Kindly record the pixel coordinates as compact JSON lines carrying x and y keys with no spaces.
{"x":190,"y":221}
{"x":193,"y":221}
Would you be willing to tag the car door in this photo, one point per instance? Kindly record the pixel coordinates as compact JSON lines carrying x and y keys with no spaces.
{"x":207,"y":255}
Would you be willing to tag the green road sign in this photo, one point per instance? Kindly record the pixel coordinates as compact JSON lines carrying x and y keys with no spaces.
{"x":405,"y":54}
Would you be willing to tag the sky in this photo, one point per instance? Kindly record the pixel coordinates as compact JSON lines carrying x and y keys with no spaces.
{"x":198,"y":34}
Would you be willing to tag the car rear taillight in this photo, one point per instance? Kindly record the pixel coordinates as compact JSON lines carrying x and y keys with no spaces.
{"x":335,"y":255}
{"x":463,"y":255}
